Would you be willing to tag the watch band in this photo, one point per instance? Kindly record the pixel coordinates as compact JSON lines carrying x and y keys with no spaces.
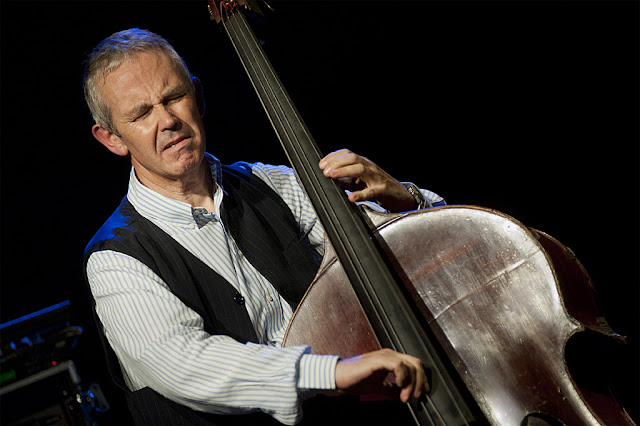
{"x":417,"y":195}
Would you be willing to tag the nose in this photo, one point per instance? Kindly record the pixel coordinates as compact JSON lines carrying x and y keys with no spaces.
{"x":166,"y":119}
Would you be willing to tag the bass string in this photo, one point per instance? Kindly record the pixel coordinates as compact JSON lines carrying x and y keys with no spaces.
{"x":308,"y":163}
{"x":260,"y":65}
{"x":265,"y":70}
{"x":244,"y":41}
{"x":237,"y":34}
{"x":264,"y":76}
{"x":258,"y":68}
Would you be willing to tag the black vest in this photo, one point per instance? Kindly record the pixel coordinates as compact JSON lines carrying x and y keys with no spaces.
{"x":266,"y":232}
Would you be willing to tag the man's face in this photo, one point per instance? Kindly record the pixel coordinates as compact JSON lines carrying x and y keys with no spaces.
{"x":158,"y":117}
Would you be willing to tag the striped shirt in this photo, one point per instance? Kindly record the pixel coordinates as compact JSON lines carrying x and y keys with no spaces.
{"x":160,"y":342}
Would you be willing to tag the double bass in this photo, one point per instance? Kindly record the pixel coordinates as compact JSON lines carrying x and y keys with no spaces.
{"x":486,"y":303}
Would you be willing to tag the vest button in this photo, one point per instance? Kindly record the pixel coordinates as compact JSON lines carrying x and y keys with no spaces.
{"x":238,"y":299}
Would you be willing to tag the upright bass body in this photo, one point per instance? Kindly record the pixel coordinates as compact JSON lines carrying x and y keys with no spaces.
{"x":483,"y":284}
{"x":489,"y":290}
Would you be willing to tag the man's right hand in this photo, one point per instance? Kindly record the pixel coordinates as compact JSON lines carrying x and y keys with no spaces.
{"x":368,"y":374}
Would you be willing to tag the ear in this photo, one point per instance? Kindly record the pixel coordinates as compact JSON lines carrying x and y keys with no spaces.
{"x":109,"y":139}
{"x":199,"y":94}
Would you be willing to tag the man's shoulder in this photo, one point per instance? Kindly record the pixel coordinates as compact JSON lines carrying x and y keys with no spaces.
{"x":241,"y":168}
{"x":118,"y":225}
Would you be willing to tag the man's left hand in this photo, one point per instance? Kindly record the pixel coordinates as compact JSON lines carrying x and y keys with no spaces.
{"x":366,"y":181}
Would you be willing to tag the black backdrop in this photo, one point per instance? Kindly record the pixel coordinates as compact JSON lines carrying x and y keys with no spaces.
{"x":530,"y":108}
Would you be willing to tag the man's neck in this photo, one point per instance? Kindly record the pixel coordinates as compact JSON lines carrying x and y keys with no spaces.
{"x":195,"y":189}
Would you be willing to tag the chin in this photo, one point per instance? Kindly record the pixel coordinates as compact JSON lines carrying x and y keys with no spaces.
{"x":188,"y":165}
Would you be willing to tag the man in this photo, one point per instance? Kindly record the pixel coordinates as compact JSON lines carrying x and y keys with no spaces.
{"x":180,"y":273}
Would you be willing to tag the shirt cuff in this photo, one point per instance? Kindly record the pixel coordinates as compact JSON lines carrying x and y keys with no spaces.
{"x":317,"y":372}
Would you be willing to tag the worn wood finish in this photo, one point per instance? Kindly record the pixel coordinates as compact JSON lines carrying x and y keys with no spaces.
{"x":489,"y":292}
{"x":589,"y":361}
{"x":338,"y":324}
{"x":577,"y":290}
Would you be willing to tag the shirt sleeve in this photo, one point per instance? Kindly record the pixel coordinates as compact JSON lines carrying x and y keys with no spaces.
{"x":161,"y":343}
{"x":434,"y":199}
{"x":285,"y":183}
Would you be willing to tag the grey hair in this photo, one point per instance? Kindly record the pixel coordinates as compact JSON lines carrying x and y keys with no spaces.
{"x":109,"y":54}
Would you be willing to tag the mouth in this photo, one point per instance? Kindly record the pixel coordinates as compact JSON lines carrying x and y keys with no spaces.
{"x":174,"y":143}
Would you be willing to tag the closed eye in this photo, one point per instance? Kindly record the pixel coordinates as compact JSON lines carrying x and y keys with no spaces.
{"x":175,"y":98}
{"x":175,"y":94}
{"x":139,"y":113}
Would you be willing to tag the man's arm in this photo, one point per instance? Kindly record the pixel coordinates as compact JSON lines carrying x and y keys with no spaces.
{"x":161,"y":343}
{"x":284,"y":181}
{"x":368,"y":182}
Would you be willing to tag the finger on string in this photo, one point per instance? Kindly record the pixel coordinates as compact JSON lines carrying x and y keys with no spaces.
{"x":331,"y":157}
{"x":345,"y":161}
{"x":344,"y":170}
{"x":365,"y":194}
{"x":422,"y":384}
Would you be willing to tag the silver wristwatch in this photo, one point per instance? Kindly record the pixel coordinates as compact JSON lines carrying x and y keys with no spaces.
{"x":417,"y":195}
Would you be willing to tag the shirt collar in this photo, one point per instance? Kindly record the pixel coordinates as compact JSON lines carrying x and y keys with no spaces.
{"x":157,"y":207}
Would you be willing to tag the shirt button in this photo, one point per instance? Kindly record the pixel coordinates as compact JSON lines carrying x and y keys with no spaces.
{"x":238,"y":299}
{"x":269,"y":299}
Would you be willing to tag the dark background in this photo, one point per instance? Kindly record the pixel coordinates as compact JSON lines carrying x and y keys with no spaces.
{"x":527,"y":107}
